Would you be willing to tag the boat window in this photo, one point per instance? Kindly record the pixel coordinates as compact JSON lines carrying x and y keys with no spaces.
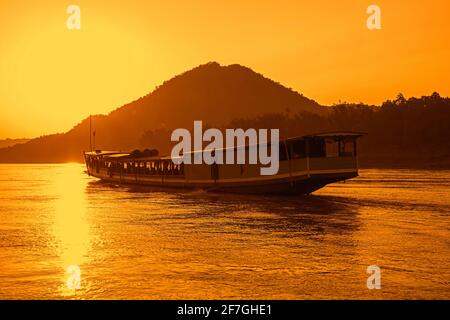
{"x":165,"y":167}
{"x":332,"y":147}
{"x":282,"y":153}
{"x":347,"y":148}
{"x":316,"y":148}
{"x":175,"y":169}
{"x":153,"y":167}
{"x":160,"y":167}
{"x":182,"y":169}
{"x":298,"y":149}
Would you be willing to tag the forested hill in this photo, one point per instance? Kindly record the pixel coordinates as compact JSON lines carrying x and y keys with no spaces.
{"x":410,"y":133}
{"x":213,"y":93}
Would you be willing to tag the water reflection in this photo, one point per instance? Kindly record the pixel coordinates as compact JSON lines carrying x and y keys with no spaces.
{"x":287,"y":214}
{"x":214,"y":245}
{"x":71,"y":227}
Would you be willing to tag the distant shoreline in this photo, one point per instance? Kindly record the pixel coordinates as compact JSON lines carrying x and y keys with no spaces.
{"x":435,"y":167}
{"x":399,"y":162}
{"x":5,"y":143}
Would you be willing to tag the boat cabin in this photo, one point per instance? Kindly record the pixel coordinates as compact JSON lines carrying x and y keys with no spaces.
{"x":305,"y":164}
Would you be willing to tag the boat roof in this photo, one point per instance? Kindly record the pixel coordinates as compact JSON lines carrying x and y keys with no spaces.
{"x":329,"y":134}
{"x":101,"y":153}
{"x":336,"y":134}
{"x":119,"y":155}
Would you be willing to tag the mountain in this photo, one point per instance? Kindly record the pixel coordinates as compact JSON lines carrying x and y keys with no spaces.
{"x":213,"y":93}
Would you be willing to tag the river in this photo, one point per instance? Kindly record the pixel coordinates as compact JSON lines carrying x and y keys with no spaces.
{"x":139,"y":243}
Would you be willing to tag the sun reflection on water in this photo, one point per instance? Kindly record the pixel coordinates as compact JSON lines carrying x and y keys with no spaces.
{"x":71,"y":228}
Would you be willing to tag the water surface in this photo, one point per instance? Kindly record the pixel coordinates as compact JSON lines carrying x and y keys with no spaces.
{"x":140,"y":243}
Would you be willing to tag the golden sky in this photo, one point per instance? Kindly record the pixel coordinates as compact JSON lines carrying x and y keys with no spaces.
{"x":52,"y":77}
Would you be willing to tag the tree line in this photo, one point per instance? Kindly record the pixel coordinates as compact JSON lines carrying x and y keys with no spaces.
{"x":414,"y":130}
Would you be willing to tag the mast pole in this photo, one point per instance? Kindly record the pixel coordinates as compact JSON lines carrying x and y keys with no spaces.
{"x":90,"y":131}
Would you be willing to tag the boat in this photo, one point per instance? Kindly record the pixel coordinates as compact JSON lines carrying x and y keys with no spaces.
{"x":306,"y":164}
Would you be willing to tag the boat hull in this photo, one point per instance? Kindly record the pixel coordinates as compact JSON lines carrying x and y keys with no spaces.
{"x":292,"y":185}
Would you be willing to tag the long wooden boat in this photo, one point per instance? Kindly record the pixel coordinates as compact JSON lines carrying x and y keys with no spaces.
{"x":306,"y":164}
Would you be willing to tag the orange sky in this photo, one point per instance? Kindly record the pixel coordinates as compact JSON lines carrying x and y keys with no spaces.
{"x":52,"y":77}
